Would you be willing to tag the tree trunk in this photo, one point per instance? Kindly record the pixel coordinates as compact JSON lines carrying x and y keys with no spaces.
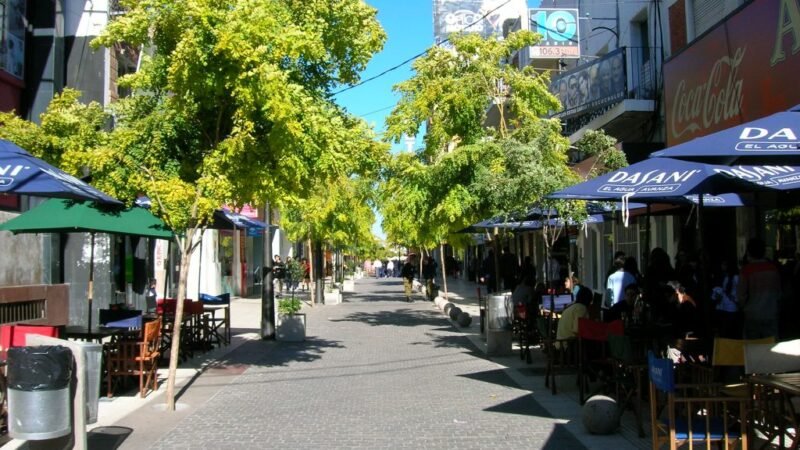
{"x":444,"y":271}
{"x":311,"y":277}
{"x":186,"y":252}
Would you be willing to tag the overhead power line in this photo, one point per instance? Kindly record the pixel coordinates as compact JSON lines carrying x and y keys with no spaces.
{"x":397,"y":66}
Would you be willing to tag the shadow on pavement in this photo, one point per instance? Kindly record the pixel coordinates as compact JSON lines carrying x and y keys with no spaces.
{"x":498,"y":377}
{"x":401,"y":317}
{"x":107,"y":438}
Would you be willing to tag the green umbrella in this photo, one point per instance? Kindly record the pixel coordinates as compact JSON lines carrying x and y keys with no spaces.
{"x":70,"y":216}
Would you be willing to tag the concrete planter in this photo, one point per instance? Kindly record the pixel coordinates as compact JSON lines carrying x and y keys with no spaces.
{"x":348,"y":286}
{"x":291,"y":327}
{"x":333,"y":297}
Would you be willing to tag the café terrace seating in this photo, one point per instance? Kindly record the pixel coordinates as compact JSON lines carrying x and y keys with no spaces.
{"x":693,"y":414}
{"x":135,"y":358}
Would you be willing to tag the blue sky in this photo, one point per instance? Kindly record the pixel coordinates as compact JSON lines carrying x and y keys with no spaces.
{"x":409,"y":29}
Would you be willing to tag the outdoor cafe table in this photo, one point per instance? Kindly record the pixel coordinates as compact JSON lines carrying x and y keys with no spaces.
{"x":777,"y":412}
{"x":222,"y":335}
{"x":82,"y":333}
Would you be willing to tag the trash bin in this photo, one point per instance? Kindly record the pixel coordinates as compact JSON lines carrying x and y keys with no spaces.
{"x":93,"y":357}
{"x":39,"y":402}
{"x":498,"y":325}
{"x":498,"y":313}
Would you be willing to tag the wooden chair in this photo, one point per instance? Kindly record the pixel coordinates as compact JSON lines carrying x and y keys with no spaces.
{"x":627,"y":376}
{"x":523,"y":328}
{"x":127,"y":358}
{"x":775,"y":416}
{"x":559,"y":353}
{"x":593,"y":351}
{"x":692,"y":414}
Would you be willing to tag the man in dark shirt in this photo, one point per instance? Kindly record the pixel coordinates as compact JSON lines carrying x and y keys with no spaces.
{"x":624,"y":309}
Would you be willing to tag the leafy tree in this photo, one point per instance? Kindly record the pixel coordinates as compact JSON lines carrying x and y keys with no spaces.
{"x":486,"y":152}
{"x":452,"y":92}
{"x":232,"y":105}
{"x":68,"y":131}
{"x":604,"y":148}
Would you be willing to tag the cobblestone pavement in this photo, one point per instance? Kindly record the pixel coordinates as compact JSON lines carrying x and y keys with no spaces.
{"x":375,"y":372}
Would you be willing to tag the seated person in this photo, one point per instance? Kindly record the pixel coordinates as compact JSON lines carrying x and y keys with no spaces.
{"x":683,"y":311}
{"x":572,"y":285}
{"x":568,"y":324}
{"x":623,"y":309}
{"x":524,"y":292}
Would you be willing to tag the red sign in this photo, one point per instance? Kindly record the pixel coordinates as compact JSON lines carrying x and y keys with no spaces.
{"x":744,"y":69}
{"x":9,"y":202}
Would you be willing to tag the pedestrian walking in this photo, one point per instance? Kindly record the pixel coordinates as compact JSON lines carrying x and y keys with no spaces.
{"x":407,"y":272}
{"x":278,"y":273}
{"x":378,"y":268}
{"x":429,"y":275}
{"x":390,"y":268}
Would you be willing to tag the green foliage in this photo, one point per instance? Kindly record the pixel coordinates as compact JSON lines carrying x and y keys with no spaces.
{"x":604,"y":147}
{"x":69,"y":131}
{"x":453,"y":90}
{"x":289,"y":306}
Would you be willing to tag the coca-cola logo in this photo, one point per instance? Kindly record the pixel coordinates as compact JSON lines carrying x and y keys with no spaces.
{"x":718,"y":99}
{"x":651,"y":182}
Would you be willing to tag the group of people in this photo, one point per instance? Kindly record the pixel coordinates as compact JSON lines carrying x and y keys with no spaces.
{"x":381,"y":269}
{"x":742,"y":303}
{"x":510,"y":273}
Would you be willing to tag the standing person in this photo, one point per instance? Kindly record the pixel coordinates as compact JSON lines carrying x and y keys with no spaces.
{"x":758,"y":293}
{"x":390,"y":268}
{"x":553,"y":272}
{"x":378,"y":268}
{"x":429,"y":275}
{"x":616,"y":284}
{"x":727,"y":317}
{"x":509,"y":269}
{"x":306,"y":274}
{"x":278,"y":273}
{"x":488,"y":272}
{"x":527,"y":269}
{"x":407,"y":273}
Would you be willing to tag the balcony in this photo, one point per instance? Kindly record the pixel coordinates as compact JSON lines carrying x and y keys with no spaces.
{"x":615,"y":92}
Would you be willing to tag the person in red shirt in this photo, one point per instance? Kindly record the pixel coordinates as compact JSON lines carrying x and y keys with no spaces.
{"x":759,"y":292}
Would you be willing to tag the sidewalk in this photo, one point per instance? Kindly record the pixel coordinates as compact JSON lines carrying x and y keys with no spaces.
{"x":565,"y":405}
{"x":374,"y":372}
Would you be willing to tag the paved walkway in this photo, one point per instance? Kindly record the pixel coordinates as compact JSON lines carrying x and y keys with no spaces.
{"x":375,"y":372}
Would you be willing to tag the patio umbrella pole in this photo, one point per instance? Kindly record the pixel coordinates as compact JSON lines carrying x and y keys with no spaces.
{"x":200,"y":266}
{"x":167,"y":266}
{"x":91,"y":281}
{"x":646,"y":258}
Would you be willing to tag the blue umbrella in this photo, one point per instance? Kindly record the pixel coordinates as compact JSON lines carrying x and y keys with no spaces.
{"x":661,"y":180}
{"x":22,"y":173}
{"x":773,"y":139}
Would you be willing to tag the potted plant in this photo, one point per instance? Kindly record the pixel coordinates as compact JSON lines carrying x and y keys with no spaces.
{"x":291,"y":322}
{"x":332,"y":295}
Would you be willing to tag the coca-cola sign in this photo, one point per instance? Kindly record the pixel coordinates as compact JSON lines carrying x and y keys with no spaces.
{"x":728,"y":77}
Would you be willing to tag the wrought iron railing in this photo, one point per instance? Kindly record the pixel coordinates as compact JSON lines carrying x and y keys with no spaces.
{"x":591,"y":89}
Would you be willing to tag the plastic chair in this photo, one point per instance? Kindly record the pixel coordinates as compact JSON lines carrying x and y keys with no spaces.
{"x":16,"y":335}
{"x":692,"y":414}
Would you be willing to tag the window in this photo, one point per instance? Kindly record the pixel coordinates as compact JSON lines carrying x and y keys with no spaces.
{"x":12,"y":33}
